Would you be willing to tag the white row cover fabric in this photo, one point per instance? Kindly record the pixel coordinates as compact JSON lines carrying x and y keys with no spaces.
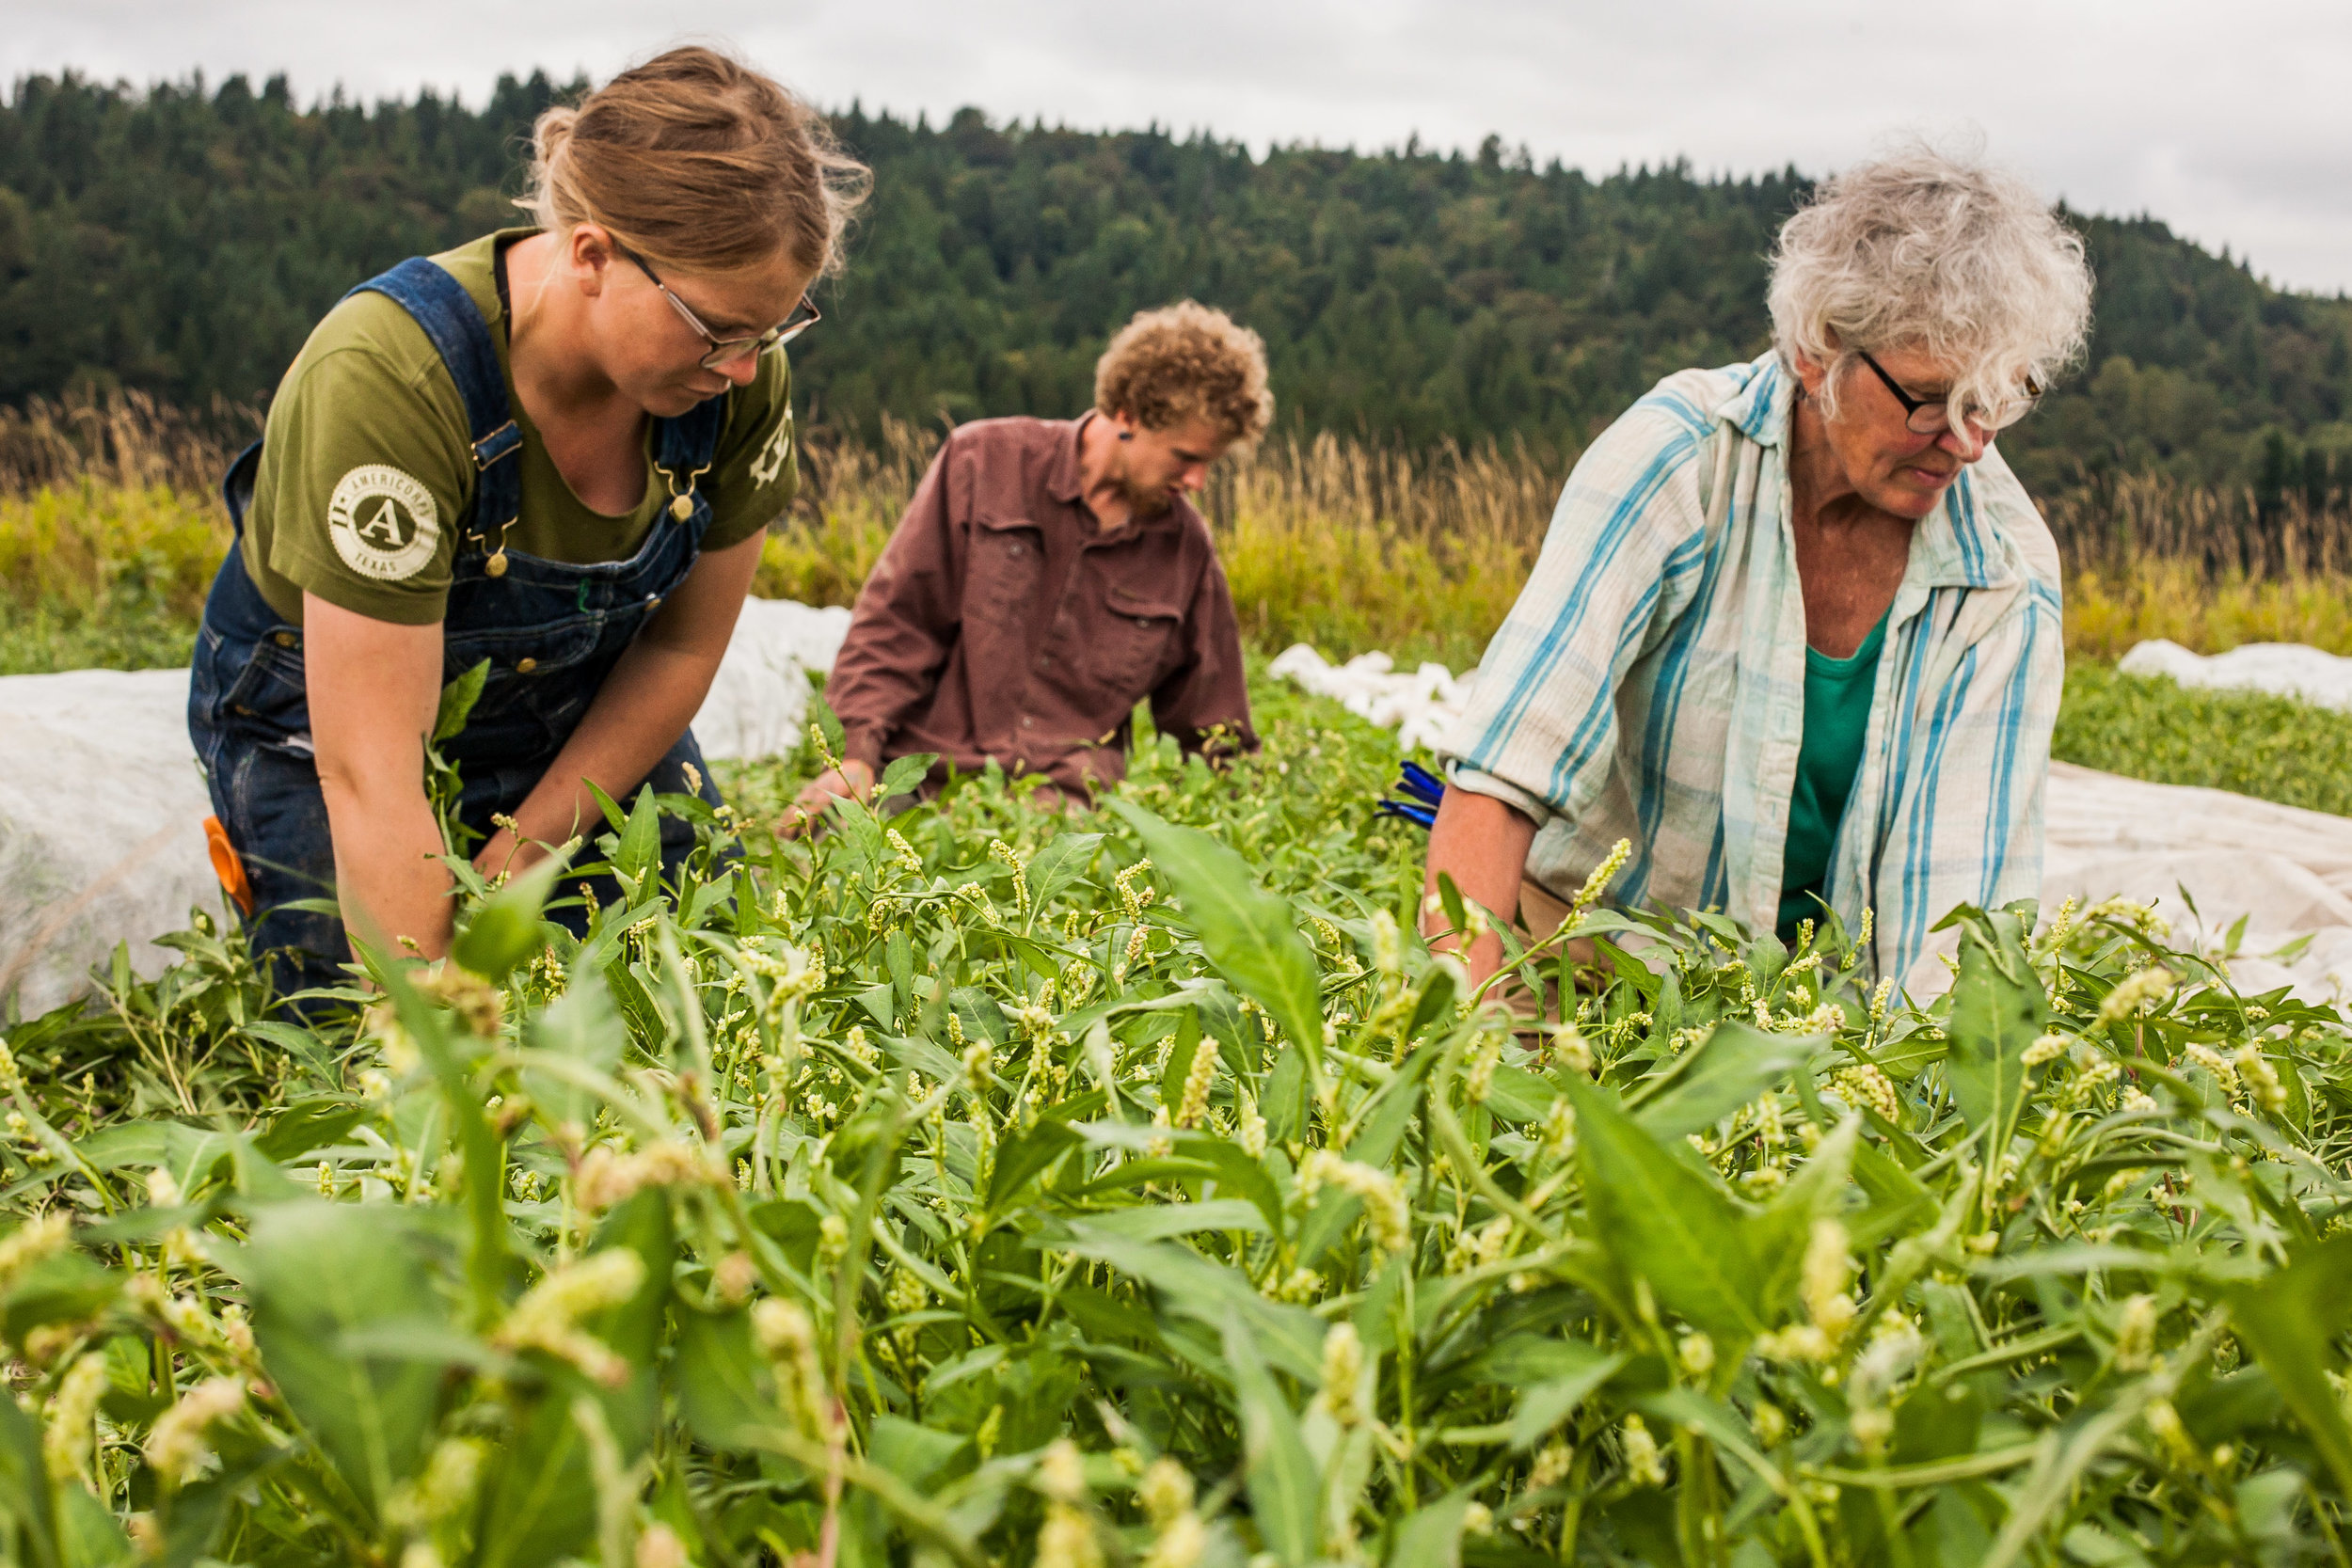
{"x":102,"y":807}
{"x":1418,"y":706}
{"x":2283,"y":669}
{"x":2201,"y":857}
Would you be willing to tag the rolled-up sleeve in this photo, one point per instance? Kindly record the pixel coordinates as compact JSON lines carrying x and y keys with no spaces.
{"x":1541,"y":728}
{"x":1205,"y":703}
{"x":903,"y":625}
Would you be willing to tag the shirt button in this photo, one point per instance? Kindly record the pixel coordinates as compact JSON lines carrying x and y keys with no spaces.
{"x":525,"y":666}
{"x":1026,"y":722}
{"x":285,"y":639}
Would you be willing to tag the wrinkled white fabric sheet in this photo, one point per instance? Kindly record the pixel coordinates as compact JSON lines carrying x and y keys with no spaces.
{"x":1418,"y":706}
{"x":2200,"y":858}
{"x":102,"y":807}
{"x":2283,"y":668}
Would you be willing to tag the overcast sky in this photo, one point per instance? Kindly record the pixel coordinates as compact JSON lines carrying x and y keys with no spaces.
{"x":2231,"y":123}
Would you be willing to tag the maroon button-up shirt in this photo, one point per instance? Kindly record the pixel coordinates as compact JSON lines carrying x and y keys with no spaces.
{"x":1004,"y":621}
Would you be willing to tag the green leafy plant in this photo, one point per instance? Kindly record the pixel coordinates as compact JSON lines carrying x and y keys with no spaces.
{"x":975,"y":1185}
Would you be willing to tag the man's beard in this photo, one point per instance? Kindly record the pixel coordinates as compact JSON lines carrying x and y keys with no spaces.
{"x":1145,"y":500}
{"x":1141,"y":499}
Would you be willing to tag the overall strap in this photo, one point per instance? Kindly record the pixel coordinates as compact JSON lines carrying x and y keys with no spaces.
{"x":454,"y":324}
{"x":684,"y":448}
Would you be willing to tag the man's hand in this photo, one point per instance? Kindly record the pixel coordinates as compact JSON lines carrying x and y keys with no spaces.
{"x":852,"y":780}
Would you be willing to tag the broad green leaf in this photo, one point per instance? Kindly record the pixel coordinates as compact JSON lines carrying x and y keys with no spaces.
{"x":1237,"y":1173}
{"x":63,"y":1288}
{"x":902,"y":775}
{"x":1818,"y":1190}
{"x":305,"y":1125}
{"x":1192,"y":1286}
{"x":1450,"y":900}
{"x":1249,"y":934}
{"x":1438,"y":991}
{"x":315,"y":1272}
{"x":1026,"y":1157}
{"x":89,"y":1535}
{"x":505,"y":931}
{"x":2291,"y":1321}
{"x":483,"y":1189}
{"x":583,"y":1026}
{"x":458,"y":700}
{"x":1519,"y":1096}
{"x":1431,"y":1537}
{"x":1998,"y":1007}
{"x":1735,"y":1063}
{"x":614,"y":817}
{"x":1283,"y":1103}
{"x":542,"y":1506}
{"x":1157,"y":1221}
{"x":1063,"y":861}
{"x":130,"y":1142}
{"x":1665,"y":1222}
{"x":27,"y":1504}
{"x":639,"y":849}
{"x":912,"y":1453}
{"x":1279,"y":1471}
{"x":724,"y":1388}
{"x":1552,"y":1401}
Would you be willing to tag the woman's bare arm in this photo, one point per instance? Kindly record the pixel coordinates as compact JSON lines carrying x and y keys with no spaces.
{"x":375,"y":688}
{"x":1482,"y":844}
{"x":646,"y":703}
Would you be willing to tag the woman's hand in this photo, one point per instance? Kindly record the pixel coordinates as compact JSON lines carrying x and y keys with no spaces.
{"x":852,"y":780}
{"x":644,"y":706}
{"x":375,"y":689}
{"x":1481,"y":843}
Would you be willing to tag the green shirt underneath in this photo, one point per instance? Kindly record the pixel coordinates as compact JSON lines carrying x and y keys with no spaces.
{"x":367,"y":468}
{"x":1838,"y":696}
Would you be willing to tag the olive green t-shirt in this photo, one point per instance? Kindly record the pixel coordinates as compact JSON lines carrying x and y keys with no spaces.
{"x":367,"y":465}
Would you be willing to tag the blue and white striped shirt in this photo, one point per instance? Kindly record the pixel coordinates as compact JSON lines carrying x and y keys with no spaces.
{"x":1649,"y":683}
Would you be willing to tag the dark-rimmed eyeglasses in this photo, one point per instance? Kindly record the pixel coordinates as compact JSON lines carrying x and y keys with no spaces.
{"x":725,"y":351}
{"x":1933,"y":415}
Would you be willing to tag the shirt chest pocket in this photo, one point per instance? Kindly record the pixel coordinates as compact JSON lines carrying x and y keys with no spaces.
{"x":1140,"y":638}
{"x":1008,"y":564}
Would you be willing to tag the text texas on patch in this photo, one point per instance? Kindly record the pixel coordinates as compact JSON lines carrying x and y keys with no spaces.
{"x":384,"y":522}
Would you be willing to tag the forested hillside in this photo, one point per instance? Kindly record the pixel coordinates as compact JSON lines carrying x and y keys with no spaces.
{"x":181,"y":239}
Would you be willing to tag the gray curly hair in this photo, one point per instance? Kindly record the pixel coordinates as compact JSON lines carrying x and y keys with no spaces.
{"x":1922,"y":248}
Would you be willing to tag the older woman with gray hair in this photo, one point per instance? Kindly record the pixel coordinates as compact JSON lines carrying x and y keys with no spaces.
{"x":1795,"y":630}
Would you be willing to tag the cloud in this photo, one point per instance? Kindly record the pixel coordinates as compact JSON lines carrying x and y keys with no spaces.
{"x":2234,"y":131}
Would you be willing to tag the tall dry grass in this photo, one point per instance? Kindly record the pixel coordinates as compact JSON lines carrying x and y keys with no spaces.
{"x":1350,"y":546}
{"x":1335,"y":542}
{"x":110,"y":530}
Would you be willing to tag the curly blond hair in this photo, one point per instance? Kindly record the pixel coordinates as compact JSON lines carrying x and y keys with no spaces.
{"x":1187,"y":361}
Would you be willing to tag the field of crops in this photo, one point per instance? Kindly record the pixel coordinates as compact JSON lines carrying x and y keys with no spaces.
{"x":981,"y":1187}
{"x":978,"y":1186}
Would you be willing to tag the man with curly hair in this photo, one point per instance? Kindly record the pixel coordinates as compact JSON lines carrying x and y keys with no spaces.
{"x":1051,"y":573}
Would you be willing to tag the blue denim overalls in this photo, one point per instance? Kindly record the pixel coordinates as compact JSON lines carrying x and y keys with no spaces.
{"x":551,"y":632}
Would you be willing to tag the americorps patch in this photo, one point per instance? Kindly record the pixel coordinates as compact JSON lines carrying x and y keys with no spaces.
{"x":384,"y":522}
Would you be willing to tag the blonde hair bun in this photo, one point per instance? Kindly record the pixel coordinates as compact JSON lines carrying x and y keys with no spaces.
{"x":699,"y":164}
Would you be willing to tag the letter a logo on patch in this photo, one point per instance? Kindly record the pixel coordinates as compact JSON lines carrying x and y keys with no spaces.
{"x":384,"y":522}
